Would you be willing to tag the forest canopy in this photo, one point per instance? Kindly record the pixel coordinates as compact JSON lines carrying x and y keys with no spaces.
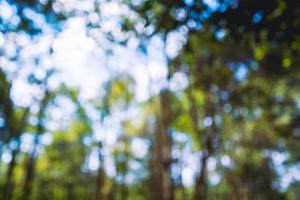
{"x":149,"y":99}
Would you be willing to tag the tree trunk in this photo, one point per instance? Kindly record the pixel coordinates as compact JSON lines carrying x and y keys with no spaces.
{"x":166,"y":160}
{"x":200,"y":188}
{"x":70,"y":191}
{"x":123,"y":187}
{"x":28,"y":179}
{"x":206,"y":138}
{"x":9,"y":185}
{"x":100,"y":177}
{"x":30,"y":169}
{"x":161,"y":183}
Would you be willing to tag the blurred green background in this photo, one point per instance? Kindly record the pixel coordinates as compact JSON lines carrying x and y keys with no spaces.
{"x":149,"y":100}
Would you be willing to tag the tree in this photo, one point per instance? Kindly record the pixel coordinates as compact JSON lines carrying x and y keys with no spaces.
{"x":227,"y":60}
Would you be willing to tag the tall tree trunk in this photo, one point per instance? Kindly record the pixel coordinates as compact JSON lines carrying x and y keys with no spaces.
{"x":155,"y":179}
{"x":9,"y":185}
{"x":205,"y":138}
{"x":200,"y":188}
{"x":166,"y":160}
{"x":99,"y":184}
{"x":124,"y":187}
{"x":8,"y":188}
{"x":28,"y":179}
{"x":30,"y":167}
{"x":30,"y":170}
{"x":183,"y":193}
{"x":70,"y":191}
{"x":200,"y":192}
{"x":100,"y":176}
{"x":161,"y":180}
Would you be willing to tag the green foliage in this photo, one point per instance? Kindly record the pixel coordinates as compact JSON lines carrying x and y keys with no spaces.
{"x":240,"y":108}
